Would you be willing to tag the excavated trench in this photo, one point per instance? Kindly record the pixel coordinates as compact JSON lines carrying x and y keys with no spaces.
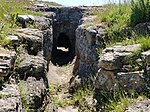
{"x":65,"y":23}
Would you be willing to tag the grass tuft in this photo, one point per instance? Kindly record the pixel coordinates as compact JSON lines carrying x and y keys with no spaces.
{"x":140,"y":11}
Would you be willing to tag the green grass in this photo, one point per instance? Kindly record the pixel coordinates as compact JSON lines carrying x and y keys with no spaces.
{"x":119,"y":17}
{"x":140,"y":11}
{"x":8,"y":12}
{"x":117,"y":101}
{"x":115,"y":18}
{"x":23,"y":92}
{"x":77,"y":98}
{"x":144,"y":40}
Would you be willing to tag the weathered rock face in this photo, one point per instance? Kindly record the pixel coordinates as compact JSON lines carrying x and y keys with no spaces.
{"x":33,"y":85}
{"x":114,"y":69}
{"x":86,"y":51}
{"x":113,"y":58}
{"x":34,"y":52}
{"x":131,"y":80}
{"x":33,"y":92}
{"x":87,"y":44}
{"x":33,"y":39}
{"x":7,"y":60}
{"x":10,"y":100}
{"x":30,"y":65}
{"x":40,"y":39}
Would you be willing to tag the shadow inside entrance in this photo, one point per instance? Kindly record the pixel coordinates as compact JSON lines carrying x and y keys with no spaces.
{"x":62,"y":54}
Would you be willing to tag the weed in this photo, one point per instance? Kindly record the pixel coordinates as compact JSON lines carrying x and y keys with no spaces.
{"x":23,"y":94}
{"x":140,"y":11}
{"x":144,"y":40}
{"x":51,"y":88}
{"x":116,"y":101}
{"x":18,"y":60}
{"x":62,"y":102}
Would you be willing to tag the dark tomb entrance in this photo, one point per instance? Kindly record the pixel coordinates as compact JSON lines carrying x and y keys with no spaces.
{"x":62,"y":51}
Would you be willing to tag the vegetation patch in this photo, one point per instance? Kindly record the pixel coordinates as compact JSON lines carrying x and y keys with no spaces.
{"x":117,"y":101}
{"x":140,"y":11}
{"x":23,"y":94}
{"x":120,"y":19}
{"x":9,"y":9}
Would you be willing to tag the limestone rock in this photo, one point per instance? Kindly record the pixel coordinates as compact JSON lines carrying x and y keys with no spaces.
{"x":7,"y":60}
{"x":24,"y":19}
{"x":87,"y":20}
{"x":43,"y":23}
{"x":86,"y":51}
{"x":142,"y":28}
{"x":10,"y":101}
{"x":32,"y":66}
{"x":47,"y":43}
{"x":141,"y":106}
{"x":12,"y":38}
{"x":131,"y":80}
{"x":113,"y":58}
{"x":33,"y":92}
{"x":105,"y":80}
{"x":146,"y":56}
{"x":32,"y":37}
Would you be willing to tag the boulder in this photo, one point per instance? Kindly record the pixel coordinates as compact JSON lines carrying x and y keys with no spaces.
{"x":131,"y":80}
{"x":30,"y":65}
{"x":24,"y":19}
{"x":114,"y":58}
{"x":41,"y":23}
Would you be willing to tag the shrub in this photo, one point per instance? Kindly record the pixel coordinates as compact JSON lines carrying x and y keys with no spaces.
{"x":140,"y":11}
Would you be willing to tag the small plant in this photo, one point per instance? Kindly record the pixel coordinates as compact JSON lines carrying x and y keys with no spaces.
{"x":3,"y":33}
{"x":23,"y":94}
{"x":18,"y":60}
{"x":13,"y":19}
{"x":62,"y":102}
{"x":115,"y":18}
{"x":140,"y":11}
{"x":132,"y":61}
{"x":117,"y":100}
{"x":51,"y":88}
